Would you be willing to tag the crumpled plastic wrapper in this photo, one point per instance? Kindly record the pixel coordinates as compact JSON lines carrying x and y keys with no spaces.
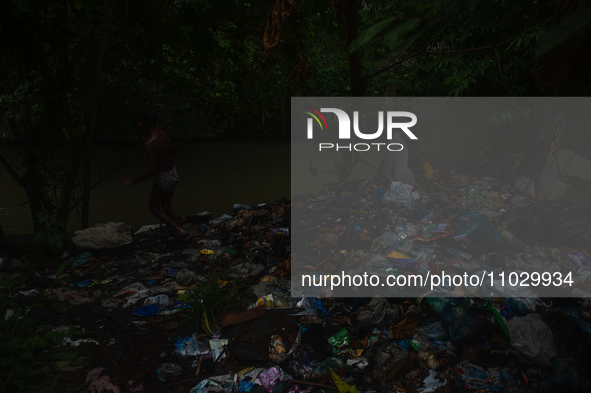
{"x":271,"y":376}
{"x":74,"y":298}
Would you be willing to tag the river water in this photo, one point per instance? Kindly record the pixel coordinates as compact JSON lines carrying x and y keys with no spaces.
{"x":213,"y":177}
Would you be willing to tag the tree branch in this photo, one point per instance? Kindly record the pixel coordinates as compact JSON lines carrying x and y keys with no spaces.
{"x":130,"y":67}
{"x":12,"y":171}
{"x":127,"y":40}
{"x":256,"y":31}
{"x":498,"y":62}
{"x":99,"y":181}
{"x":411,"y":56}
{"x":490,"y":46}
{"x":424,"y":50}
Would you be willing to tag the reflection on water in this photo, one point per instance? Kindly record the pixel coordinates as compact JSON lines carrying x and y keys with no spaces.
{"x":213,"y":177}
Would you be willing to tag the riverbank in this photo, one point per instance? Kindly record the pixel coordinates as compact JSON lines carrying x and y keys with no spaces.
{"x":213,"y":177}
{"x":229,"y":306}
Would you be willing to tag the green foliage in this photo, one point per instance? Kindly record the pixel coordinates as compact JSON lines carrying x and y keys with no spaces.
{"x":191,"y":61}
{"x":508,"y":133}
{"x":400,"y":31}
{"x":456,"y":48}
{"x":209,"y":300}
{"x":572,"y":25}
{"x":203,"y":67}
{"x":369,"y":34}
{"x":31,"y":353}
{"x":52,"y":230}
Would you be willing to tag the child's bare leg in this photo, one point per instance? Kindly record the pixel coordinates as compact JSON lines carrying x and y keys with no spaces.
{"x":157,"y":196}
{"x":167,"y":207}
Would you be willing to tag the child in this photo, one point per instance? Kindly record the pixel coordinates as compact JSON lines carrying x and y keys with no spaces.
{"x":160,"y":151}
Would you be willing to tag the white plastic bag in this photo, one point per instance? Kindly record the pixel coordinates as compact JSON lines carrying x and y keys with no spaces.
{"x":396,"y":165}
{"x":401,"y":193}
{"x":133,"y":293}
{"x":533,"y":338}
{"x":382,"y":242}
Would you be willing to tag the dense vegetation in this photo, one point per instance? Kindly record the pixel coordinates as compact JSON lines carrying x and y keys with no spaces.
{"x":75,"y":70}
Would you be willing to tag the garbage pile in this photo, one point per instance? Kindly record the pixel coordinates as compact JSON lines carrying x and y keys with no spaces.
{"x":249,"y":331}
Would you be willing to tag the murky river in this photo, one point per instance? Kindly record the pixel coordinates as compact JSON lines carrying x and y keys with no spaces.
{"x":214,"y":176}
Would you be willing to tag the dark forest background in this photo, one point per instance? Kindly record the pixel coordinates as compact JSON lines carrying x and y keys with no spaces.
{"x":73,"y":71}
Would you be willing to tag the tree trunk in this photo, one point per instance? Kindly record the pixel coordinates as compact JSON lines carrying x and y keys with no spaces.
{"x":352,"y":30}
{"x":355,"y":80}
{"x":64,"y":210}
{"x":92,"y":120}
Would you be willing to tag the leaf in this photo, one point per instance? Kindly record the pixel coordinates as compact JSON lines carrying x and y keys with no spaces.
{"x":570,"y":26}
{"x":40,"y":236}
{"x":368,"y":34}
{"x":6,"y":283}
{"x":64,"y":356}
{"x":391,"y":56}
{"x":428,"y":170}
{"x":83,"y":386}
{"x":21,"y":5}
{"x":55,"y":381}
{"x":399,"y":31}
{"x":55,"y":240}
{"x":61,"y":269}
{"x":340,"y":384}
{"x":24,"y":354}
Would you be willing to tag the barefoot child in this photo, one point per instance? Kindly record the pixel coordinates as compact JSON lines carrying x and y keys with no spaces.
{"x":160,"y":151}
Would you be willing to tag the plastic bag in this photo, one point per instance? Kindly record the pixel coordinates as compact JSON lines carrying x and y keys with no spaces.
{"x":160,"y":300}
{"x":133,"y":292}
{"x":80,"y":259}
{"x":271,"y":376}
{"x":245,"y":269}
{"x":533,"y":338}
{"x":190,"y":346}
{"x":434,"y":332}
{"x":476,"y":377}
{"x":460,"y":324}
{"x":185,"y":278}
{"x":220,"y":219}
{"x":522,"y":306}
{"x":405,"y":230}
{"x":378,"y":311}
{"x":401,"y":193}
{"x":564,"y":376}
{"x":437,"y":304}
{"x":525,"y":184}
{"x":384,"y":241}
{"x":472,"y":223}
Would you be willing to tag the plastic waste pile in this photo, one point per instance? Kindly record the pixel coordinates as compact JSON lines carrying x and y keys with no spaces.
{"x":277,"y":340}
